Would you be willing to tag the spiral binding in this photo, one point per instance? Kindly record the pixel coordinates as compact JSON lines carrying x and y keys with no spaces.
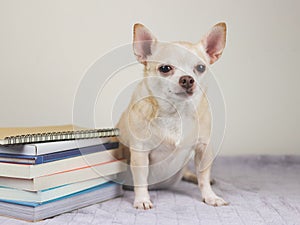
{"x":62,"y":136}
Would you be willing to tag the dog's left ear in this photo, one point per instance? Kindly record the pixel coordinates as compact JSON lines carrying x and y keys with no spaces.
{"x":214,"y":42}
{"x":143,"y":42}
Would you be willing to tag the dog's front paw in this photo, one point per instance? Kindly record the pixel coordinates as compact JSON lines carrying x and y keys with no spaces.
{"x":142,"y":204}
{"x":214,"y":200}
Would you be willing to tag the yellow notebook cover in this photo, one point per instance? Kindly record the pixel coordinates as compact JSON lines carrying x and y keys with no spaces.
{"x":24,"y":135}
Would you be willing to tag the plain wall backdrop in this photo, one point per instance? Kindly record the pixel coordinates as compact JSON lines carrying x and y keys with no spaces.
{"x":47,"y":46}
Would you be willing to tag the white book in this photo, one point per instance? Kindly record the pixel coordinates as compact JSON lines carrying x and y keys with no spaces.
{"x":50,"y":147}
{"x":30,"y":171}
{"x":65,"y":177}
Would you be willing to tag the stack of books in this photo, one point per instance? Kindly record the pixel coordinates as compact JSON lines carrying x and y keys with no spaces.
{"x":47,"y":171}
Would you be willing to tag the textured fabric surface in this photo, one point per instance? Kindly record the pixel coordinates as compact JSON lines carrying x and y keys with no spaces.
{"x":260,"y":189}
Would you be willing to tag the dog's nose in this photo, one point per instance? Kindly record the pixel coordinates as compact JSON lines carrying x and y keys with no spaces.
{"x":186,"y":82}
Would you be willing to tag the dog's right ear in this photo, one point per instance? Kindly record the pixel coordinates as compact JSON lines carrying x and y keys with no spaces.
{"x":214,"y":42}
{"x":143,"y":42}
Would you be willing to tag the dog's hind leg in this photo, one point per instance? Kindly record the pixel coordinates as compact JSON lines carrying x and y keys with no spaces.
{"x":190,"y":176}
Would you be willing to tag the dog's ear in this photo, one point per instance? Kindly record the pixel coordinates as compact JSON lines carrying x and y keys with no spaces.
{"x":143,"y":42}
{"x":214,"y":42}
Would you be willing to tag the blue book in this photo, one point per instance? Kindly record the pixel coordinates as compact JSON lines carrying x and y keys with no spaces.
{"x":35,"y":204}
{"x":31,"y":211}
{"x":39,"y":159}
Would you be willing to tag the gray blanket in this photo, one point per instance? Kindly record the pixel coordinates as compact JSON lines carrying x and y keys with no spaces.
{"x":260,"y":189}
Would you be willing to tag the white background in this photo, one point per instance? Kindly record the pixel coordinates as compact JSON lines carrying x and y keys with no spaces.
{"x":47,"y":46}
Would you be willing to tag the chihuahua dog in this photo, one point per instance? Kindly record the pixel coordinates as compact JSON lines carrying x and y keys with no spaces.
{"x":168,"y":119}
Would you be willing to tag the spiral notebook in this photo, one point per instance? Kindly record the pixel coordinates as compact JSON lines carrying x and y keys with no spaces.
{"x":26,"y":135}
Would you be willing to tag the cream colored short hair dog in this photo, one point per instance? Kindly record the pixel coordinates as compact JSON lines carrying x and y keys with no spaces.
{"x":168,"y":118}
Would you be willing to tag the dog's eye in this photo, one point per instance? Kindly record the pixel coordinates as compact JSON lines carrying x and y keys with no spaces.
{"x":165,"y":69}
{"x":200,"y":68}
